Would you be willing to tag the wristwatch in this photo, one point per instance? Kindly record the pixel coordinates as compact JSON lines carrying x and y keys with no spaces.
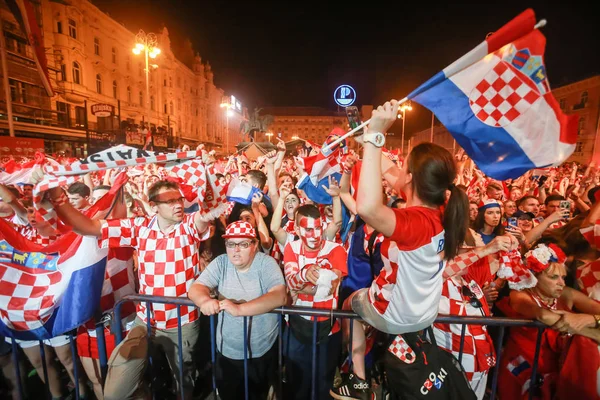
{"x":597,"y":318}
{"x":375,"y":138}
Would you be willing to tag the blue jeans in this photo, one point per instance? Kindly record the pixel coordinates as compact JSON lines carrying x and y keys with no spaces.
{"x":299,"y":367}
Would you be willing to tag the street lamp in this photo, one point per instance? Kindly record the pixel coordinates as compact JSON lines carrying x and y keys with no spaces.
{"x":146,"y":43}
{"x":228,"y":113}
{"x":295,"y":137}
{"x":269,"y":135}
{"x":404,"y":108}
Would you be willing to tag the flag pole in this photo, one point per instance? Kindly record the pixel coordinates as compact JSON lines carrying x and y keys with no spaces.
{"x":9,"y":111}
{"x":432,"y":121}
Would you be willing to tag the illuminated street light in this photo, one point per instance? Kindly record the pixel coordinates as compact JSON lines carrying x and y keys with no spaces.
{"x":269,"y":135}
{"x":228,"y":113}
{"x":146,"y":42}
{"x":404,"y":107}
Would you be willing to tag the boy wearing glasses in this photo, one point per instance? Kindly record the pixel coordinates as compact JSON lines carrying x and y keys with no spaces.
{"x":247,"y":283}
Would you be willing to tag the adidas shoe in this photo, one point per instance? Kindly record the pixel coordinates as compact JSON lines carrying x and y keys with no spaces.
{"x":352,"y":388}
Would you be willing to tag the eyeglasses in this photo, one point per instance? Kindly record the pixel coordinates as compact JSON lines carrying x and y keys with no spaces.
{"x":171,"y":202}
{"x":241,"y":245}
{"x":473,"y":301}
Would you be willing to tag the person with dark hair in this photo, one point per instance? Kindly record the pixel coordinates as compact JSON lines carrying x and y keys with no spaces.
{"x":473,"y":211}
{"x":529,"y":204}
{"x":488,"y":221}
{"x":405,"y":296}
{"x":313,"y":270}
{"x":98,"y":192}
{"x":78,"y":194}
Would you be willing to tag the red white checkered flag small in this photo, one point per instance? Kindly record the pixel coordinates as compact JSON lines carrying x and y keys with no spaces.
{"x":515,"y":272}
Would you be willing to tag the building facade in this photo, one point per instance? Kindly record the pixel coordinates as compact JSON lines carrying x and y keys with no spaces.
{"x":92,"y":67}
{"x":583,"y":98}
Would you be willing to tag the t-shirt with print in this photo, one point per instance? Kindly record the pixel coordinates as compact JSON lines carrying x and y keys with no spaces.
{"x":408,"y":289}
{"x":168,"y":263}
{"x":240,"y":287}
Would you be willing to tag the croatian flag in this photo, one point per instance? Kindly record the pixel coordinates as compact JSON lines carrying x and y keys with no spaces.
{"x":496,"y":102}
{"x":47,"y":291}
{"x":242,"y":192}
{"x":327,"y":161}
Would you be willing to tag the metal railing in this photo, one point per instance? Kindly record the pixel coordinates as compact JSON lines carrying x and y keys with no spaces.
{"x":501,"y":323}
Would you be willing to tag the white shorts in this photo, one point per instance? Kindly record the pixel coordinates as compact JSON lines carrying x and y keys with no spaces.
{"x":54,"y":342}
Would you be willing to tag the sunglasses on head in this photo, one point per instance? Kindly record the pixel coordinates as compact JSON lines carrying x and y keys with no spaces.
{"x":473,"y":300}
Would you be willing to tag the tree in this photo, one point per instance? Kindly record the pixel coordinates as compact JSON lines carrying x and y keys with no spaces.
{"x":256,"y":123}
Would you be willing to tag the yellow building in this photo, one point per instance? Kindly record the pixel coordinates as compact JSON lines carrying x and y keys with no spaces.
{"x":583,"y":98}
{"x":92,"y":68}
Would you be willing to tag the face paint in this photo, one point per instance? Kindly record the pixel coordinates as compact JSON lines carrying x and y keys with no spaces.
{"x":311,"y":232}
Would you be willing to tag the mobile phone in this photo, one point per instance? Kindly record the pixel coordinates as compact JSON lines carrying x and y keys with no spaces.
{"x":566,"y":204}
{"x":542,"y":180}
{"x":354,"y":119}
{"x":512,"y":221}
{"x":538,"y":220}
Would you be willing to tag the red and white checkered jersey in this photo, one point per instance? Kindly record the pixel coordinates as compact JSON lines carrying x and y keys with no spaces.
{"x":32,"y":234}
{"x":119,"y":281}
{"x":168,"y":263}
{"x":588,"y":279}
{"x":408,"y":288}
{"x":478,"y":350}
{"x":297,"y":260}
{"x":592,"y":234}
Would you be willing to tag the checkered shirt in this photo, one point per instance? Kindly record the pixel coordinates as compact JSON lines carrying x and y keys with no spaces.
{"x":460,"y":263}
{"x":502,"y":96}
{"x":32,"y":234}
{"x":192,"y":172}
{"x":592,"y":234}
{"x":478,"y":350}
{"x":168,"y":263}
{"x":331,"y":256}
{"x":588,"y":279}
{"x":402,"y":350}
{"x":27,"y":297}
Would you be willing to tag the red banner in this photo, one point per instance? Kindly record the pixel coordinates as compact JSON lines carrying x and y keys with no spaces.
{"x":19,"y":148}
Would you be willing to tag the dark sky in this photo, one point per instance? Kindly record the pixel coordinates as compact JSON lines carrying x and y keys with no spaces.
{"x":296,"y":53}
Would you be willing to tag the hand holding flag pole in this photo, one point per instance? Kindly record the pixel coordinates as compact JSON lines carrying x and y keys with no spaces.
{"x":464,"y":62}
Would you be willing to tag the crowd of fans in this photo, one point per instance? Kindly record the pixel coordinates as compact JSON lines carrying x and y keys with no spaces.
{"x":428,"y":233}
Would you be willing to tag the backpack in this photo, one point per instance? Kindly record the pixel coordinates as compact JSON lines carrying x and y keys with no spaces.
{"x":434,"y":375}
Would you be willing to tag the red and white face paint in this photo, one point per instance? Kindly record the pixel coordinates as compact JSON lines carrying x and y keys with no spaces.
{"x":311,"y":232}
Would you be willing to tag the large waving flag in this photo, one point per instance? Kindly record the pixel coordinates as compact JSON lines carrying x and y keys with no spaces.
{"x":496,"y":102}
{"x":49,"y":290}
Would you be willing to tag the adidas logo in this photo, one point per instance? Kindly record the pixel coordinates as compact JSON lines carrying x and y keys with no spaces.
{"x":361,"y":386}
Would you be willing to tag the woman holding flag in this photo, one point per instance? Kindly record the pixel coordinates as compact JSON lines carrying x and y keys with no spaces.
{"x":405,"y":296}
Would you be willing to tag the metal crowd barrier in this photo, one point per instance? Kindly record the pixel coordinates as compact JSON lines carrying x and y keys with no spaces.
{"x":501,"y":323}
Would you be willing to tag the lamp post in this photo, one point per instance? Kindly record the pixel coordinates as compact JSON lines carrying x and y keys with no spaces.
{"x":228,"y":113}
{"x":403,"y":108}
{"x":269,"y":135}
{"x":146,"y":43}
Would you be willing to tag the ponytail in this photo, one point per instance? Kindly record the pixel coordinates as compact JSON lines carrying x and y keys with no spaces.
{"x":456,"y":221}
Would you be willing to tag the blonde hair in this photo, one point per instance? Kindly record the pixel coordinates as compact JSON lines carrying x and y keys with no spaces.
{"x":556,"y":268}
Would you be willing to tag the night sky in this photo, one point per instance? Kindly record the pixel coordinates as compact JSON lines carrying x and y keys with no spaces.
{"x":296,"y":53}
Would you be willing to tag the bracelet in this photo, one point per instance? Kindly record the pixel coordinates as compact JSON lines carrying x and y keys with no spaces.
{"x":60,"y":200}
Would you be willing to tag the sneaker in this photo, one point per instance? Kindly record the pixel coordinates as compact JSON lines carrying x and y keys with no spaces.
{"x":352,"y":388}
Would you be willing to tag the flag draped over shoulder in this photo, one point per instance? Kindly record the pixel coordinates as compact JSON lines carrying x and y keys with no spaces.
{"x":496,"y":102}
{"x":328,"y":161}
{"x":50,"y":290}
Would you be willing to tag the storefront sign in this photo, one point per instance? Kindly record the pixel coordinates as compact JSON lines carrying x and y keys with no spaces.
{"x":102,"y":110}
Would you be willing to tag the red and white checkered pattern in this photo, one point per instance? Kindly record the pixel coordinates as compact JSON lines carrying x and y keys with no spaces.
{"x":27,"y":299}
{"x":297,"y":261}
{"x":168,"y":263}
{"x":43,"y":206}
{"x":460,"y":263}
{"x":32,"y":234}
{"x":592,"y":234}
{"x":588,"y":279}
{"x":502,"y":96}
{"x":381,"y":290}
{"x":192,"y":172}
{"x":240,"y":229}
{"x":401,"y":349}
{"x":478,"y":350}
{"x":515,"y":272}
{"x":277,"y":252}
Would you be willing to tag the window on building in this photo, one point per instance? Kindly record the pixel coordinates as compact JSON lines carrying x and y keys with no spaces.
{"x":584,"y":97}
{"x":581,"y":126}
{"x":178,"y":82}
{"x":152,"y":103}
{"x":178,"y":104}
{"x":563,"y":103}
{"x":129,"y":94}
{"x":170,"y":82}
{"x":171,"y":111}
{"x":115,"y":90}
{"x":114,"y":55}
{"x":63,"y":114}
{"x":165,"y":108}
{"x":96,"y":46}
{"x":73,"y":28}
{"x":140,"y":69}
{"x":76,"y":73}
{"x":579,"y":147}
{"x":141,"y":98}
{"x":59,"y":27}
{"x":128,"y":62}
{"x":165,"y":82}
{"x":79,"y":117}
{"x":98,"y":83}
{"x":63,"y":72}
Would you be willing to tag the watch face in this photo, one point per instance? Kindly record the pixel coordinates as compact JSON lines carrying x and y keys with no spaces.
{"x":379,"y":138}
